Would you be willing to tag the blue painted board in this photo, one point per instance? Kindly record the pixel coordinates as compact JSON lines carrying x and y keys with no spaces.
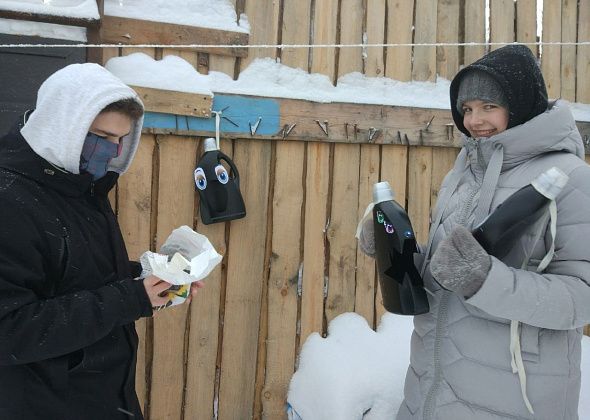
{"x":242,"y":110}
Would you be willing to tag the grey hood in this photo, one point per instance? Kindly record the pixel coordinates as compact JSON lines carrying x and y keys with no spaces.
{"x":67,"y":104}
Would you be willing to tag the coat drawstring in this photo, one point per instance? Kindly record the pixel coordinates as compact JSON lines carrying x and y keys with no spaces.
{"x":515,"y":350}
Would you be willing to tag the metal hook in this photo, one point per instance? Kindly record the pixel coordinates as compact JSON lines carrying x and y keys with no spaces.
{"x":254,"y":128}
{"x":230,"y":121}
{"x":323,"y":126}
{"x":373,"y":134}
{"x":287,"y":130}
{"x":429,"y":122}
{"x":449,"y":131}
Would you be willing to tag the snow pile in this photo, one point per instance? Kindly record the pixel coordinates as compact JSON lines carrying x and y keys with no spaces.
{"x":82,"y":9}
{"x":355,"y":370}
{"x":170,"y":73}
{"x":43,"y":30}
{"x":215,"y":14}
{"x":266,"y":77}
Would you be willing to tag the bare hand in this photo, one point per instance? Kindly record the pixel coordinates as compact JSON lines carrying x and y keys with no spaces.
{"x":195,"y":286}
{"x":155,"y":286}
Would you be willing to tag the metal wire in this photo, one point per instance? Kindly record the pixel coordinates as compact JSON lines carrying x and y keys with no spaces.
{"x":284,"y":46}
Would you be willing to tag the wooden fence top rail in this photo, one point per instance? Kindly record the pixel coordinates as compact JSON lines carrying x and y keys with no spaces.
{"x":249,"y":117}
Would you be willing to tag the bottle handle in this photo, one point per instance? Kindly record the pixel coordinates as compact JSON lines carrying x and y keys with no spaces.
{"x":234,"y":169}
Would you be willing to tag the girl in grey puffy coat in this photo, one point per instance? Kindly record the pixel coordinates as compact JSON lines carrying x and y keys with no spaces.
{"x":502,"y":340}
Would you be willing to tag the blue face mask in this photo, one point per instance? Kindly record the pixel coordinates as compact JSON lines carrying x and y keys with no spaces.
{"x":96,"y":154}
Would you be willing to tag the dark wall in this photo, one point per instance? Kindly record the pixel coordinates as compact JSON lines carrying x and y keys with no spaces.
{"x":22,"y":70}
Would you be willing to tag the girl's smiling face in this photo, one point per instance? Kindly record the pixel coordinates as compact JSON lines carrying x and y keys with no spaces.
{"x":484,"y":119}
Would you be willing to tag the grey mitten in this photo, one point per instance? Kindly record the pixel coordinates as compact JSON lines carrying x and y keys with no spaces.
{"x":367,"y":238}
{"x":460,"y":264}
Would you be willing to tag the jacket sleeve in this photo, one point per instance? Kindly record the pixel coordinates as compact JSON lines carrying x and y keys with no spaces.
{"x":34,"y":329}
{"x":558,"y":298}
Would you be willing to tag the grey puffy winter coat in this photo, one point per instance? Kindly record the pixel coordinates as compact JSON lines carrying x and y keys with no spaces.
{"x":461,"y":360}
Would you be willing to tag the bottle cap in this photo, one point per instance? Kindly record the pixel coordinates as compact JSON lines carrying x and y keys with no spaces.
{"x":382,"y":192}
{"x":210,"y":144}
{"x":550,"y":183}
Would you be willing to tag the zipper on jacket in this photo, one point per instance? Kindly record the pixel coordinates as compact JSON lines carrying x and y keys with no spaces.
{"x":441,"y":321}
{"x":92,"y":189}
{"x":63,"y":253}
{"x":440,"y":324}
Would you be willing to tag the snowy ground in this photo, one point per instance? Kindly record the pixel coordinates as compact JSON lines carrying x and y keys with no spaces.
{"x":355,"y":369}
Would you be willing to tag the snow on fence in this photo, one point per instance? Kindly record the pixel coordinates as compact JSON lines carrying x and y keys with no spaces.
{"x":292,"y":265}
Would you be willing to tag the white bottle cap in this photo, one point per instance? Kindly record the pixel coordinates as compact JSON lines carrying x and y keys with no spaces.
{"x":210,"y":144}
{"x":382,"y":192}
{"x":550,"y":183}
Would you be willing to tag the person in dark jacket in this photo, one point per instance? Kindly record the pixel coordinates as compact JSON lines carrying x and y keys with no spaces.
{"x":68,"y":298}
{"x":502,"y":339}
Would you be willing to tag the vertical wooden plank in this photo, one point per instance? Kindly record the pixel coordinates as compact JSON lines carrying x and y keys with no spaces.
{"x":316,"y":200}
{"x":419,"y":185}
{"x":447,"y":58}
{"x":400,"y":29}
{"x":424,"y":65}
{"x":526,"y":23}
{"x":135,"y":194}
{"x":375,"y":34}
{"x":583,"y":64}
{"x":223,"y":63}
{"x":284,"y":276}
{"x":551,"y":54}
{"x":365,"y":266}
{"x":394,"y":166}
{"x":263,"y":16}
{"x":132,"y":50}
{"x":245,"y":275}
{"x":445,"y":159}
{"x":134,"y":215}
{"x":341,"y":276}
{"x":501,"y":22}
{"x":204,"y":326}
{"x":475,"y":30}
{"x":187,"y":55}
{"x":324,"y":32}
{"x":296,"y":30}
{"x":108,"y":53}
{"x":177,"y":157}
{"x":351,"y":32}
{"x":569,"y":18}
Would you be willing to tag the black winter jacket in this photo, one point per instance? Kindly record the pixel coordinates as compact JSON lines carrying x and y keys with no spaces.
{"x":68,"y":300}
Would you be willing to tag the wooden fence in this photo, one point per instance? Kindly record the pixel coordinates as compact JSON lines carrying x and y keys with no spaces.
{"x":292,"y":264}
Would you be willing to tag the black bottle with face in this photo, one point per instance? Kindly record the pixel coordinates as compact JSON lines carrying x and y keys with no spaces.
{"x":219,"y":190}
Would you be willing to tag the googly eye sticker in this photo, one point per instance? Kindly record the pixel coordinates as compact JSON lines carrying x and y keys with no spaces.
{"x":222,"y":175}
{"x":200,"y":179}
